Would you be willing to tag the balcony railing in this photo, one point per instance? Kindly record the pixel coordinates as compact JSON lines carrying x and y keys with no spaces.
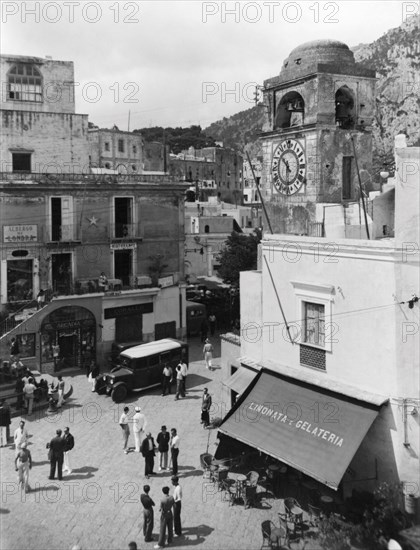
{"x":123,"y":231}
{"x":53,"y":178}
{"x":63,"y":233}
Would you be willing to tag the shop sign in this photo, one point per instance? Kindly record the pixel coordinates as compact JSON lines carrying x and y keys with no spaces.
{"x":20,"y":233}
{"x":166,"y":281}
{"x":123,"y":246}
{"x":123,"y":311}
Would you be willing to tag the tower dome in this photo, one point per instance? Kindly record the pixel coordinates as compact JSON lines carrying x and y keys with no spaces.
{"x":307,"y":56}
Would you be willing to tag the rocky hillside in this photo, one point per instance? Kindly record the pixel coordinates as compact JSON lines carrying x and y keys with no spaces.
{"x":396,"y":58}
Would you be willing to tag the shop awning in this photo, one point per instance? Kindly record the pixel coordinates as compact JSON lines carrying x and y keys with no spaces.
{"x":314,"y":430}
{"x":240,"y":379}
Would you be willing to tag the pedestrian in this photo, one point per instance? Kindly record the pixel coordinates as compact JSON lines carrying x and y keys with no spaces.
{"x":124,"y":420}
{"x":14,"y":349}
{"x":21,"y":435}
{"x":163,"y":447}
{"x":179,"y":383}
{"x":20,"y":384}
{"x":167,"y":377}
{"x":68,"y":446}
{"x":184,"y":371}
{"x":40,"y":299}
{"x":205,"y":408}
{"x":23,"y":463}
{"x":103,"y":282}
{"x":60,"y":388}
{"x":148,"y":451}
{"x":177,"y":494}
{"x":166,"y":518}
{"x":4,"y":423}
{"x":174,"y":446}
{"x":203,"y":330}
{"x":56,"y":355}
{"x":28,"y":392}
{"x":148,"y":514}
{"x":93,"y":372}
{"x":56,"y":455}
{"x":212,"y":323}
{"x":208,"y":354}
{"x":139,"y":425}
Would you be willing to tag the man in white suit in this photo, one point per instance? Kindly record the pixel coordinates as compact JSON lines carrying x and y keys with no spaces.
{"x":139,"y":426}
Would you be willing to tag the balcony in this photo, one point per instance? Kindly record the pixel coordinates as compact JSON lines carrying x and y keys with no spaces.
{"x":54,"y":178}
{"x":68,"y":233}
{"x":124,"y":232}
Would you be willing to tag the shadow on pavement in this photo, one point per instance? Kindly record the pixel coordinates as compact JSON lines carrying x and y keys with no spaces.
{"x":49,"y":487}
{"x":4,"y":511}
{"x":87,"y":470}
{"x":196,"y":535}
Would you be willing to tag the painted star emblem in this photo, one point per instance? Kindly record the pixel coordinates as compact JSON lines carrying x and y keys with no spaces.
{"x":93,"y":221}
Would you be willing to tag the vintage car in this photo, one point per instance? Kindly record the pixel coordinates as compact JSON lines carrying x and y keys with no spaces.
{"x":140,"y":367}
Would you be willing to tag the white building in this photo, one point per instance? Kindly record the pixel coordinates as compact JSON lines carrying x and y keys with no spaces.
{"x":329,"y":367}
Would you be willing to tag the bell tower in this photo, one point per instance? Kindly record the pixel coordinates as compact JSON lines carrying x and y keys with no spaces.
{"x":318,"y":116}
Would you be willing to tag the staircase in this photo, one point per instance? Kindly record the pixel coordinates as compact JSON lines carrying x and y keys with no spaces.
{"x":19,"y":317}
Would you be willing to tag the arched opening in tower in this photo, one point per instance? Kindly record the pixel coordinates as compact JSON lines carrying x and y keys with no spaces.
{"x":290,"y":111}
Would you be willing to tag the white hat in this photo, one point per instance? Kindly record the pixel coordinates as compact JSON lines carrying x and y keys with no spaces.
{"x":137,"y":409}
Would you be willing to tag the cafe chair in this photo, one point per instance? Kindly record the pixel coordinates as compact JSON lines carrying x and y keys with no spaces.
{"x":268,"y":531}
{"x":287,"y":528}
{"x":230,"y":490}
{"x":221,"y":477}
{"x":294,"y":513}
{"x":315,"y":515}
{"x":205,"y":463}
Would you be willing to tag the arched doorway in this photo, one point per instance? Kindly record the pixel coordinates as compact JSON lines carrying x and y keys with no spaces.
{"x":68,"y":339}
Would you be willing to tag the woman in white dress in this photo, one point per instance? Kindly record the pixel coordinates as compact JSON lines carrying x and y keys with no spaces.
{"x":208,"y":354}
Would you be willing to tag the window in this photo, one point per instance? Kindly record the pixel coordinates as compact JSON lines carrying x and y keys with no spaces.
{"x":314,"y":324}
{"x":121,"y":146}
{"x":21,"y":162}
{"x":134,"y":149}
{"x":107,"y":146}
{"x":25,"y":83}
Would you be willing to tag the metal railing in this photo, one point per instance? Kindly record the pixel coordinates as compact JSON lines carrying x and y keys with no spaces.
{"x":53,"y":178}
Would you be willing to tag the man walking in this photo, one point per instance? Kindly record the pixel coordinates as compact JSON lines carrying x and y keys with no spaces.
{"x":68,"y":446}
{"x":184,"y":370}
{"x":29,"y":394}
{"x":60,"y":387}
{"x":167,"y":376}
{"x":148,"y":515}
{"x":139,"y":425}
{"x":205,"y":408}
{"x":56,"y":455}
{"x":148,"y":451}
{"x":125,"y":428}
{"x":4,"y":423}
{"x":174,"y":446}
{"x":212,"y":323}
{"x":20,"y":436}
{"x":179,"y":383}
{"x":163,"y":448}
{"x":23,"y":463}
{"x":166,"y":518}
{"x":177,"y":506}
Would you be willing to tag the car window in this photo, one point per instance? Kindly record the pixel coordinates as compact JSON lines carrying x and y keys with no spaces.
{"x":140,"y":363}
{"x":153,"y":360}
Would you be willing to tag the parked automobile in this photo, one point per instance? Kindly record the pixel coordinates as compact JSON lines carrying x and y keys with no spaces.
{"x":196,"y":313}
{"x":140,"y":367}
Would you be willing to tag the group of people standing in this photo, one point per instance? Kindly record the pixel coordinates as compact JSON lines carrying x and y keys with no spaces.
{"x":180,"y":376}
{"x":170,"y":514}
{"x":167,"y":442}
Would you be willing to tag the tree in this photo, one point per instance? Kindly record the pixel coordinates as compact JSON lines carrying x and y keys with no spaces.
{"x":240,"y":253}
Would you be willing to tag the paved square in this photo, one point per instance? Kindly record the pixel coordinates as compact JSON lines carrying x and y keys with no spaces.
{"x":98,"y":505}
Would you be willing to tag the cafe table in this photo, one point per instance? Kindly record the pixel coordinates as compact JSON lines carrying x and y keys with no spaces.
{"x":326,"y":503}
{"x":239,"y":480}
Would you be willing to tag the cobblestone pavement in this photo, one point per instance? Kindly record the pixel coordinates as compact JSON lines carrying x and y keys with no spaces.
{"x":98,"y":505}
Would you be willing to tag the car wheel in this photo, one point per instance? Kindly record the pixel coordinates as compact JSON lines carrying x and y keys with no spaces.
{"x":119,"y":393}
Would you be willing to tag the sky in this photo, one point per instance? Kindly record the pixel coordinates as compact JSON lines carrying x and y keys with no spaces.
{"x":179,"y":63}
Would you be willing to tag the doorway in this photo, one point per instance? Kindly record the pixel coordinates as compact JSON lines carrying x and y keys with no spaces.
{"x":123,"y":260}
{"x":68,"y":349}
{"x":61,"y":273}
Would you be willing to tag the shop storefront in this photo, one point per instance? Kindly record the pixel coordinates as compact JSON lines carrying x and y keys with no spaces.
{"x":314,"y":430}
{"x":68,"y":339}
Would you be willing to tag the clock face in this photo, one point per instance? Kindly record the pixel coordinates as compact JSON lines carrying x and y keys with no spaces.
{"x":289,"y":167}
